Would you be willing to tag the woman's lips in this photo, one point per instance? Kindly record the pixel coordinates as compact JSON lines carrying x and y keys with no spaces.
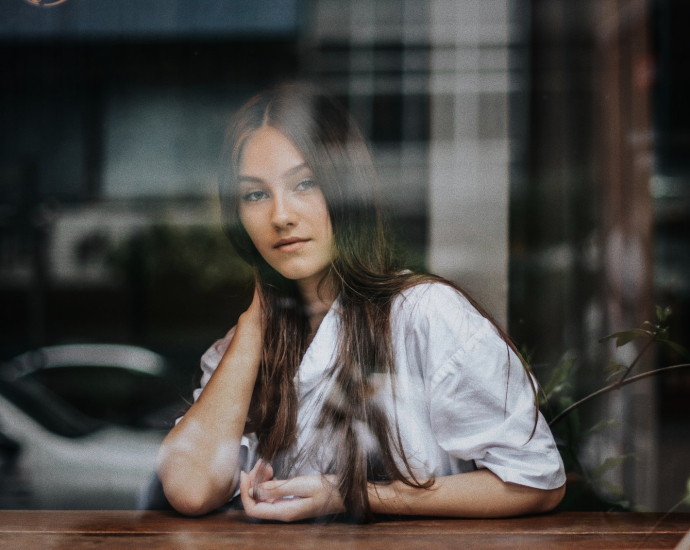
{"x":290,"y":245}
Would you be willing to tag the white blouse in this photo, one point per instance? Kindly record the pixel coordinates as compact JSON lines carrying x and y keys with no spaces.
{"x":461,"y":397}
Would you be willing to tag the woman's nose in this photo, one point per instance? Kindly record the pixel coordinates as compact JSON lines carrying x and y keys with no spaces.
{"x":283,"y":213}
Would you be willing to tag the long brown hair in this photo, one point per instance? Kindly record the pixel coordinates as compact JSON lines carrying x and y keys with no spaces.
{"x":365,"y":275}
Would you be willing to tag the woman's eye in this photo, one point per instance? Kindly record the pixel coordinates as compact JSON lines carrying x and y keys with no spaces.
{"x":306,"y":184}
{"x":253,"y":196}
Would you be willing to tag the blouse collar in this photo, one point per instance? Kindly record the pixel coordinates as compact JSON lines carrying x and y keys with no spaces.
{"x":320,"y":354}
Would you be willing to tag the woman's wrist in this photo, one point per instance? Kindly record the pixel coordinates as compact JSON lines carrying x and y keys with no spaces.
{"x":392,"y":498}
{"x":249,"y":322}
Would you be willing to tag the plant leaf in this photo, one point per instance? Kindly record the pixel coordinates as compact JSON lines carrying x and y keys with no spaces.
{"x":561,"y":387}
{"x":570,"y":427}
{"x":676,"y":347}
{"x":627,"y":336}
{"x":559,"y":375}
{"x":613,"y":369}
{"x":608,"y":464}
{"x":613,"y":375}
{"x":663,"y":314}
{"x":565,"y":402}
{"x":602,"y":425}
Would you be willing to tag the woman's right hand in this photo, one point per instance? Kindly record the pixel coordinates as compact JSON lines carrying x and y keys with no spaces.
{"x":252,"y":319}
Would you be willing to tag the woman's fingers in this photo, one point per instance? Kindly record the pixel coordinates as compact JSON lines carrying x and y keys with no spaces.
{"x":285,"y":509}
{"x":262,"y":473}
{"x":245,"y":485}
{"x":265,"y":510}
{"x":252,"y":475}
{"x":256,"y":467}
{"x":290,"y":499}
{"x":281,"y":488}
{"x":304,"y":487}
{"x":265,"y":472}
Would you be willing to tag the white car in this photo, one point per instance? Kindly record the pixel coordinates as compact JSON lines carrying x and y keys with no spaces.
{"x":53,"y":455}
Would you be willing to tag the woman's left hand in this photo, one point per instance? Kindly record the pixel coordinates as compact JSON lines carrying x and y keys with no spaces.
{"x":290,"y":499}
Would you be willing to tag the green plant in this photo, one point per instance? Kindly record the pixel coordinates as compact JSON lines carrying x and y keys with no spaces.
{"x":555,"y":396}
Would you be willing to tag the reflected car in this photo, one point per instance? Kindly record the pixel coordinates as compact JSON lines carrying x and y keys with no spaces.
{"x":80,"y":426}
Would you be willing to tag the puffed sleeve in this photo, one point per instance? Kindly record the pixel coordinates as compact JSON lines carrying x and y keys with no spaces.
{"x":480,"y":400}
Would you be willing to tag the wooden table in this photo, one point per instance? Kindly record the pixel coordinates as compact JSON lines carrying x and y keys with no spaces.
{"x":74,"y":530}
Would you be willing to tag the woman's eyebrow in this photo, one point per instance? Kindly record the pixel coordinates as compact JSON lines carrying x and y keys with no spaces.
{"x":295,"y":170}
{"x":249,"y":179}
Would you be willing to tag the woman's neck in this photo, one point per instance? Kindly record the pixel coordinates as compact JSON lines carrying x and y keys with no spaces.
{"x":317,"y":297}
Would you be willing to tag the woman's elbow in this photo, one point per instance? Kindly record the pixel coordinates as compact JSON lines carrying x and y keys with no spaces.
{"x":191,"y":503}
{"x":191,"y":497}
{"x":188,"y":488}
{"x":550,"y":499}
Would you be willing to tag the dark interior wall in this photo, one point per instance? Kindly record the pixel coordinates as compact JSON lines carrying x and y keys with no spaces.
{"x":607,"y":143}
{"x":671,"y":192}
{"x":554,"y":199}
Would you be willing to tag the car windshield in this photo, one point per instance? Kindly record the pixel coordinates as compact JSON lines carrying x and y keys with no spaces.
{"x":48,"y":409}
{"x":115,"y":395}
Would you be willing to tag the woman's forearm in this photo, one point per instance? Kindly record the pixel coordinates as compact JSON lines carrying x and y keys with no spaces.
{"x":478,"y":494}
{"x":199,"y":459}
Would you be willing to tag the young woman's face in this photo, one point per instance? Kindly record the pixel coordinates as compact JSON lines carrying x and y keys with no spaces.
{"x":283,"y":209}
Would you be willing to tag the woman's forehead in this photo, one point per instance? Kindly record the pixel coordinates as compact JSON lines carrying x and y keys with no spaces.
{"x":268,"y":152}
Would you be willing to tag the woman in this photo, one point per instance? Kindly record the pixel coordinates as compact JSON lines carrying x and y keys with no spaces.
{"x":363,"y":387}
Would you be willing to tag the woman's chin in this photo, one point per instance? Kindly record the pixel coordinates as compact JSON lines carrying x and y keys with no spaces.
{"x":296,"y":274}
{"x":303,"y":277}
